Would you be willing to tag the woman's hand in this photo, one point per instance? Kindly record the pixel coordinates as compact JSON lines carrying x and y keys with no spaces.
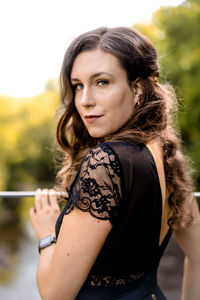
{"x":45,"y":214}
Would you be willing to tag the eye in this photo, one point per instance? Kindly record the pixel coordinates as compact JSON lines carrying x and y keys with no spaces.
{"x":102,"y":82}
{"x":78,"y":86}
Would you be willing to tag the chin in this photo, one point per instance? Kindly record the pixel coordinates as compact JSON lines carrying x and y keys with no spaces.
{"x":97,"y":135}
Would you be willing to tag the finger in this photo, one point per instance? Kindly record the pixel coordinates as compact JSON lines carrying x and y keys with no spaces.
{"x":64,"y":195}
{"x":45,"y":197}
{"x":53,"y":199}
{"x":38,"y":202}
{"x":32,"y":213}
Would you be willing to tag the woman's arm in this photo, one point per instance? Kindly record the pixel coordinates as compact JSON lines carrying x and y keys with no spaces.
{"x":64,"y":267}
{"x":189,"y":240}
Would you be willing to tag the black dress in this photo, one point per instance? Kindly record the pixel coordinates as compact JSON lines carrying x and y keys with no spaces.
{"x":118,"y":181}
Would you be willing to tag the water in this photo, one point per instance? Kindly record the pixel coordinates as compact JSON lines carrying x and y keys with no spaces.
{"x":18,"y":263}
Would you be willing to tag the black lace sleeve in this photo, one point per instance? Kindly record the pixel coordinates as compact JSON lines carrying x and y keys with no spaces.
{"x":97,"y":187}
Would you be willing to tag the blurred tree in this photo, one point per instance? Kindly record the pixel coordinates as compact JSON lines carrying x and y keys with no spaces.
{"x":176,"y":33}
{"x":27,"y":130}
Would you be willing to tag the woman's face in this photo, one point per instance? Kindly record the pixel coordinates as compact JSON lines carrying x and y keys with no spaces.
{"x":103,"y":97}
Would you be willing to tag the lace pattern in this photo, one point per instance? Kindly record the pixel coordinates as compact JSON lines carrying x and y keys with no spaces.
{"x":110,"y":281}
{"x":97,"y":187}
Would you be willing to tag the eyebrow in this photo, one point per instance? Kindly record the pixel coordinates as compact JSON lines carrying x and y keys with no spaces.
{"x":94,"y":75}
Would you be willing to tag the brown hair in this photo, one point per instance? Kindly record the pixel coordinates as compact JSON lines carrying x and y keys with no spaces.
{"x":151,"y":119}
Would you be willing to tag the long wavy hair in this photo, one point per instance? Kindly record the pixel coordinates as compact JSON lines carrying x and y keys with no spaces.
{"x":152,"y":119}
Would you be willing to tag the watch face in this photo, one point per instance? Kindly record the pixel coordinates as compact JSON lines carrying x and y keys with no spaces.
{"x":46,"y":241}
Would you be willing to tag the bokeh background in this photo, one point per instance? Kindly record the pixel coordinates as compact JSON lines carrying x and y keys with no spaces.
{"x":34,"y":36}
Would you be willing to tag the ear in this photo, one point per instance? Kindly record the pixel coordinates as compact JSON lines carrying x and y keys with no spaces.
{"x":136,"y":88}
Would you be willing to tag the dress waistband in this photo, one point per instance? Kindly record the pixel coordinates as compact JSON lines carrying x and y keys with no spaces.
{"x":145,"y":288}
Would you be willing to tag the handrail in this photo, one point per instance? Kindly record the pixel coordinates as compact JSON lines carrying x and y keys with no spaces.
{"x":20,"y":194}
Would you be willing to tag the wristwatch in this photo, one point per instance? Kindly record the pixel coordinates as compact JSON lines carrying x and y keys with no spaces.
{"x":46,"y":241}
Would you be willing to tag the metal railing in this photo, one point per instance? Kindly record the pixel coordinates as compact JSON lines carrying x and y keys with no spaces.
{"x":20,"y":194}
{"x":197,"y":194}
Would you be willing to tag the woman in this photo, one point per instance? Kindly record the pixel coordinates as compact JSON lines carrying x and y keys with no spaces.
{"x":128,"y":185}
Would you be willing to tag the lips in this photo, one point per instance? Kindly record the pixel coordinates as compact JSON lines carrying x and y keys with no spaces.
{"x":92,"y":118}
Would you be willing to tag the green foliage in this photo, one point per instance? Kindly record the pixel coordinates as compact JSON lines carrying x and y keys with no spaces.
{"x":27,"y":130}
{"x":175,"y":31}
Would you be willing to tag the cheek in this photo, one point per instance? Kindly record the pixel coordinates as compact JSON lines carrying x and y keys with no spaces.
{"x":113,"y":99}
{"x":123,"y":111}
{"x":123,"y":102}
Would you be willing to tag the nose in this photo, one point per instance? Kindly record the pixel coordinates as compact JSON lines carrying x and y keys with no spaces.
{"x":87,"y":98}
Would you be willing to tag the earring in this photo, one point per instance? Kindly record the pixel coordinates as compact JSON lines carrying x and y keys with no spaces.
{"x":138,"y":103}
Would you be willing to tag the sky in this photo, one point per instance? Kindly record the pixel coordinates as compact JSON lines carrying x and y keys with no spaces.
{"x":34,"y":35}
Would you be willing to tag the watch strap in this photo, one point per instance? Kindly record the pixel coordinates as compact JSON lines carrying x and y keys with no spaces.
{"x":46,"y":241}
